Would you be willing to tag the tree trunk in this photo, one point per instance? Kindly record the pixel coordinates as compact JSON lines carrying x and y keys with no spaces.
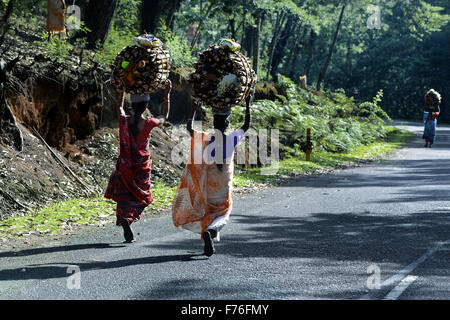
{"x":8,"y":13}
{"x":80,"y":3}
{"x":233,"y":28}
{"x":256,"y":33}
{"x":330,"y":53}
{"x":99,"y":15}
{"x":247,"y":43}
{"x":291,"y":66}
{"x":244,"y":29}
{"x":280,"y":47}
{"x":309,"y":60}
{"x":348,"y":72}
{"x":151,"y":13}
{"x":170,"y":16}
{"x":278,"y":24}
{"x":4,"y":23}
{"x":197,"y":32}
{"x":10,"y":132}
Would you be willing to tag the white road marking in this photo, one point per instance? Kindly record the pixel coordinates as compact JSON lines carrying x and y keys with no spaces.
{"x":398,"y":290}
{"x":408,"y":269}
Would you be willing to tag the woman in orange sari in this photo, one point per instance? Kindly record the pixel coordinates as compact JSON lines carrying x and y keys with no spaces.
{"x":129,"y":184}
{"x":203,"y":200}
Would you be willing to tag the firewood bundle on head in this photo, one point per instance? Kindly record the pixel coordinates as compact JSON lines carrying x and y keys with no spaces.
{"x":432,"y":100}
{"x":223,"y":77}
{"x":141,"y":69}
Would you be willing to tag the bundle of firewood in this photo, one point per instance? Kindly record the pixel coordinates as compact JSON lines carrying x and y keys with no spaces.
{"x":223,"y":78}
{"x":432,"y":100}
{"x":141,"y":70}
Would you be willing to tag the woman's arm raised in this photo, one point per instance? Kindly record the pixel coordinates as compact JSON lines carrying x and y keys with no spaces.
{"x":166,"y":109}
{"x":192,"y":119}
{"x":248,"y":116}
{"x":120,"y":109}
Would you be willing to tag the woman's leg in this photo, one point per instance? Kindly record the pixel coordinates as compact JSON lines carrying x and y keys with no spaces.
{"x":212,"y":233}
{"x":127,"y":232}
{"x":208,"y":243}
{"x":218,"y":224}
{"x":432,"y":132}
{"x":127,"y":213}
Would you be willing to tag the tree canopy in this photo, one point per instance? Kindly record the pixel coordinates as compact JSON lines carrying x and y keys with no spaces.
{"x":399,"y":47}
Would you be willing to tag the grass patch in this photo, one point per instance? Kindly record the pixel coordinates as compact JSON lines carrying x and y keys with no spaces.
{"x":65,"y":215}
{"x":57,"y":217}
{"x":163,"y":195}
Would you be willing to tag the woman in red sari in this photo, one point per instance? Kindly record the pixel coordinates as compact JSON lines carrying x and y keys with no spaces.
{"x":129,"y":184}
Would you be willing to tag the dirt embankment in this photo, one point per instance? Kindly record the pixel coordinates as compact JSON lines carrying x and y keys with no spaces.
{"x":73,"y":109}
{"x":66,"y":110}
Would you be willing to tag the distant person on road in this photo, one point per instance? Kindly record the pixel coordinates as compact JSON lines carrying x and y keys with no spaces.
{"x":129,"y":184}
{"x":356,"y":95}
{"x":430,"y":114}
{"x":203,"y":200}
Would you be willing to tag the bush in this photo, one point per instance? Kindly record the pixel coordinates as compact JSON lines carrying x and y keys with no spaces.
{"x":124,"y":27}
{"x":337,"y":123}
{"x":180,"y":51}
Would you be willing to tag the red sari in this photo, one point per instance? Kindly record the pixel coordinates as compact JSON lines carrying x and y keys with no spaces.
{"x":129,"y":184}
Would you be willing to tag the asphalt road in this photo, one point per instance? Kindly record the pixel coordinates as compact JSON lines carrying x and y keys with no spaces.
{"x":379,"y":231}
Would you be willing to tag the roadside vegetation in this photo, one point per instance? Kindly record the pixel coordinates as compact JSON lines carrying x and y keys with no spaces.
{"x":67,"y":216}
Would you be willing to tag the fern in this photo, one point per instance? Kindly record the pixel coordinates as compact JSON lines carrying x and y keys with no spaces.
{"x":337,"y":123}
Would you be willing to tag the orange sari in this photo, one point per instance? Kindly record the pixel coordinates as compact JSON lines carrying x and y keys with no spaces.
{"x":56,"y":10}
{"x":204,"y":193}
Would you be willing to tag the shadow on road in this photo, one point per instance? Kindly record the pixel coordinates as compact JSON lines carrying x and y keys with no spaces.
{"x":342,"y":237}
{"x":76,"y":247}
{"x":327,"y":240}
{"x":59,"y":270}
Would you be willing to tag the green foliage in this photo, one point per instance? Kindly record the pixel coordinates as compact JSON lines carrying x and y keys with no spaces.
{"x":127,"y":15}
{"x":115,"y":42}
{"x":58,"y":48}
{"x":124,"y":27}
{"x":408,"y":55}
{"x":265,"y":91}
{"x":180,"y":51}
{"x":57,"y":217}
{"x":405,"y":58}
{"x":427,"y":19}
{"x":55,"y":49}
{"x":336,"y":122}
{"x":323,"y":161}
